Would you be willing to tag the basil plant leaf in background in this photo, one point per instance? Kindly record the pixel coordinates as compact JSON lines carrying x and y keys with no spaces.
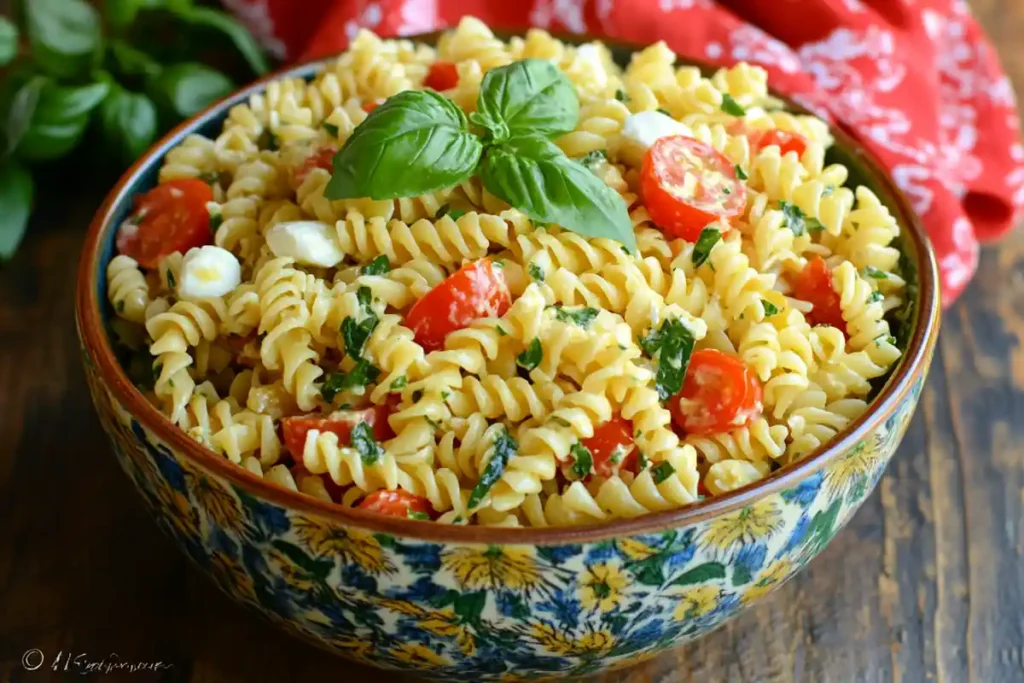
{"x":121,"y":13}
{"x":531,"y":97}
{"x":190,"y":88}
{"x":234,"y":31}
{"x":64,"y":35}
{"x":533,"y":175}
{"x":60,"y":120}
{"x":416,"y":142}
{"x":8,"y":41}
{"x":129,"y":123}
{"x":22,"y":108}
{"x":16,"y":191}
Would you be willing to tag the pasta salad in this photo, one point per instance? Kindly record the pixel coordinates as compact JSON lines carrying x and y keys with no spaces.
{"x":509,"y":283}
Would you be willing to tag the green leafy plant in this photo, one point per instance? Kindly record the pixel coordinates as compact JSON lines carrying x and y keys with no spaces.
{"x":419,"y":142}
{"x":117,"y":77}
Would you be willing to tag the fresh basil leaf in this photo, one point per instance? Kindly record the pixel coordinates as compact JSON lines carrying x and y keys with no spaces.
{"x":536,"y":272}
{"x":797,"y":221}
{"x":378,"y":266}
{"x":532,"y":356}
{"x":121,"y":13}
{"x":8,"y":41}
{"x":501,"y":452}
{"x":370,"y":452}
{"x":16,"y":195}
{"x":63,"y":34}
{"x":23,"y":108}
{"x":593,"y":158}
{"x":533,"y":175}
{"x":60,"y":103}
{"x":740,"y":173}
{"x":662,"y":471}
{"x":674,"y":346}
{"x":130,"y":61}
{"x":770,"y":309}
{"x":362,"y":374}
{"x":494,"y":130}
{"x":356,"y":334}
{"x":583,"y":460}
{"x":415,"y":143}
{"x":731,"y":106}
{"x":47,"y":141}
{"x":874,"y":273}
{"x":232,"y":30}
{"x":531,"y":97}
{"x":129,"y":125}
{"x":187,"y":89}
{"x":416,"y":514}
{"x":581,"y":317}
{"x":709,"y":237}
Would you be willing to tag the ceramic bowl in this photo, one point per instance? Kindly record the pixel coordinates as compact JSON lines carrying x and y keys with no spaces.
{"x":471,"y":603}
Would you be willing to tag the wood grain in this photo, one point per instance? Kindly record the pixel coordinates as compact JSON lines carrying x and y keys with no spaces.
{"x":925,"y":584}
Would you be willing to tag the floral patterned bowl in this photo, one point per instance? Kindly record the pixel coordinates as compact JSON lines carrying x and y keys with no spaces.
{"x":472,"y":603}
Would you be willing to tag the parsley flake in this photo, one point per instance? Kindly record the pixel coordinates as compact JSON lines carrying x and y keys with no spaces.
{"x":621,"y":95}
{"x":740,"y":173}
{"x":770,"y":309}
{"x":874,"y":273}
{"x":709,"y":237}
{"x":370,"y":452}
{"x":378,"y":266}
{"x":532,"y":356}
{"x":501,"y":452}
{"x":797,"y":221}
{"x":398,"y":383}
{"x":583,"y":460}
{"x":362,"y":374}
{"x":331,"y":129}
{"x":662,"y":471}
{"x":536,"y":272}
{"x":672,"y":344}
{"x":731,"y":106}
{"x":582,"y":317}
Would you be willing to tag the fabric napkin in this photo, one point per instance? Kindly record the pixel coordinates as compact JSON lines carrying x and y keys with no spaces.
{"x":915,"y":80}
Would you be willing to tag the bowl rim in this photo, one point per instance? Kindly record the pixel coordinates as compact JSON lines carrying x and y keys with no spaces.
{"x":99,"y":351}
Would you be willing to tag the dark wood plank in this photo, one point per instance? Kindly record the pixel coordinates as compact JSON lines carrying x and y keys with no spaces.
{"x":925,"y":584}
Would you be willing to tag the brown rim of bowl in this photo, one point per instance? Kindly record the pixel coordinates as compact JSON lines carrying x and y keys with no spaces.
{"x":87,"y":309}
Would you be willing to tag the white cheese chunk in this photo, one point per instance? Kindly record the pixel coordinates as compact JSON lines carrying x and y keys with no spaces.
{"x":208,"y":272}
{"x":310,"y":243}
{"x":642,"y":130}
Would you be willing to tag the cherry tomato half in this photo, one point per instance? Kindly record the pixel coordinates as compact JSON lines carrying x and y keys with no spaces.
{"x":396,"y":504}
{"x":477,"y":290}
{"x":814,"y":285}
{"x":340,"y":422}
{"x":786,"y":141}
{"x":612,"y":447}
{"x":170,"y":217}
{"x":442,"y":76}
{"x":322,"y":157}
{"x":687,"y":184}
{"x":720,"y":393}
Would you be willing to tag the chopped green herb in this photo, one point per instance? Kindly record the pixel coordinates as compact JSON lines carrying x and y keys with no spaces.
{"x":829,"y":189}
{"x":621,"y":95}
{"x":770,"y":309}
{"x":447,"y":210}
{"x":875,"y":297}
{"x":398,"y":383}
{"x":536,"y":272}
{"x":216,"y":220}
{"x":581,"y":317}
{"x":617,"y":454}
{"x":331,"y":129}
{"x":874,"y":273}
{"x":356,"y":334}
{"x":731,"y":106}
{"x":416,"y":514}
{"x":267,"y":140}
{"x":702,"y":249}
{"x":370,"y":452}
{"x":642,"y":463}
{"x":445,"y":394}
{"x":378,"y":266}
{"x":532,"y":356}
{"x":662,"y":471}
{"x":362,"y":374}
{"x":796,"y":221}
{"x":726,"y":190}
{"x":170,"y":279}
{"x":663,"y":111}
{"x":583,"y":460}
{"x":740,"y":173}
{"x":501,"y":331}
{"x":593,"y":158}
{"x":502,"y":450}
{"x":673,"y":346}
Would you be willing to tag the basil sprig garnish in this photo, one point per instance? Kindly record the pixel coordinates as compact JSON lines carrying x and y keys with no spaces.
{"x":419,"y":142}
{"x":672,"y":344}
{"x":503,"y":450}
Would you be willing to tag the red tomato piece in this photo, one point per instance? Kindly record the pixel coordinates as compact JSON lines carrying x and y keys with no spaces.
{"x":170,"y":217}
{"x":340,"y":422}
{"x":477,"y":290}
{"x":396,"y":504}
{"x":686,"y":185}
{"x":612,"y":447}
{"x":322,"y":157}
{"x":720,"y":393}
{"x":814,"y":285}
{"x":370,"y":106}
{"x":786,"y":141}
{"x":442,"y":76}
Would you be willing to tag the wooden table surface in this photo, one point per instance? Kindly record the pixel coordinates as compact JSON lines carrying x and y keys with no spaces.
{"x":926,"y":583}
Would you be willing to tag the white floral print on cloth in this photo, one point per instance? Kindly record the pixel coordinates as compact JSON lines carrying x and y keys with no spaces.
{"x":914,"y":79}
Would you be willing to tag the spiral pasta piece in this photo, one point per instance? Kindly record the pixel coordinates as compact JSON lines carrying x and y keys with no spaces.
{"x":126,"y":289}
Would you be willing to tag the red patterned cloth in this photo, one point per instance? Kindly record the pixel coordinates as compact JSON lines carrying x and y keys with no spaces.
{"x":915,"y":80}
